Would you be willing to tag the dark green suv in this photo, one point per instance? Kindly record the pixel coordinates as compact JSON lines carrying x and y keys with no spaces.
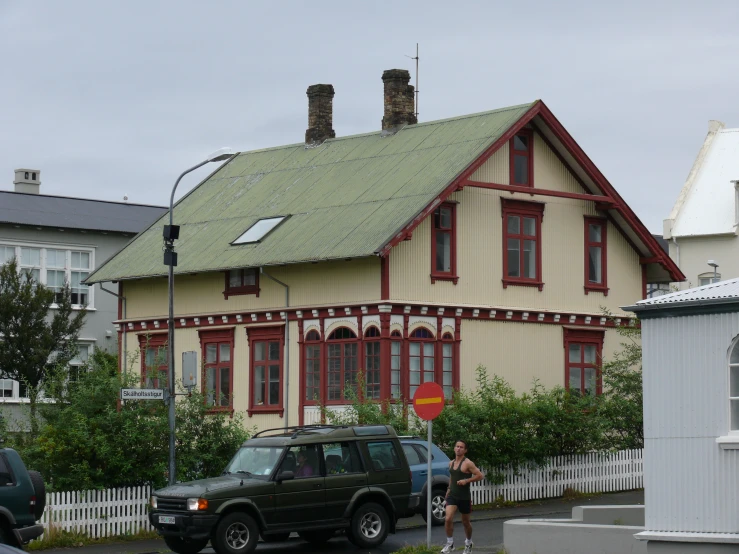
{"x":22,"y":500}
{"x":314,"y":480}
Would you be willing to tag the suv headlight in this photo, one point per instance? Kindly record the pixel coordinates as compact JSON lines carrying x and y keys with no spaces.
{"x":153,"y":502}
{"x":195,"y":504}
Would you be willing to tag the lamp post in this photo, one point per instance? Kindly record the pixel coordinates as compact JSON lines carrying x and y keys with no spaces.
{"x":714,"y":265}
{"x":171,"y":233}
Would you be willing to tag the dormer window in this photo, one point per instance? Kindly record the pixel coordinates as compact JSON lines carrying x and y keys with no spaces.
{"x":522,"y":159}
{"x":242,"y":281}
{"x":259,"y":230}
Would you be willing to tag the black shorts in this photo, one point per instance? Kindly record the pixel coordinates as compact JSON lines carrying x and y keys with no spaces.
{"x":463,"y":506}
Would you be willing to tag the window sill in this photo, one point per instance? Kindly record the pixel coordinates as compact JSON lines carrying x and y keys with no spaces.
{"x":220,"y":410}
{"x":241,"y":292}
{"x":728,"y":442}
{"x":266,"y":410}
{"x":592,"y":288}
{"x":75,"y":307}
{"x":522,"y":283}
{"x":444,"y":277}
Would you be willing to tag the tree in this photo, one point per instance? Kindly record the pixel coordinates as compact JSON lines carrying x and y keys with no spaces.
{"x":35,"y":339}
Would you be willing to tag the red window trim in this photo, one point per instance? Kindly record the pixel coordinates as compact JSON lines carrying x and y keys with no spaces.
{"x":218,"y":336}
{"x":529,"y":133}
{"x":304,"y":373}
{"x":324,"y":373}
{"x":450,"y":275}
{"x":151,"y":340}
{"x":261,"y":334}
{"x":376,"y":339}
{"x":597,"y":287}
{"x":584,"y":336}
{"x":237,"y":291}
{"x":528,"y":209}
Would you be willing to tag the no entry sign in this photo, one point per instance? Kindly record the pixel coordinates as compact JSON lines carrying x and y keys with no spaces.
{"x":428,"y":401}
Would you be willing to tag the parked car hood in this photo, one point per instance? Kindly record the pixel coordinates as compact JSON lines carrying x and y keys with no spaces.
{"x":201,"y":487}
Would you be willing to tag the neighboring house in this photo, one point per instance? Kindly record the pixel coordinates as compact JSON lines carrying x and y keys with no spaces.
{"x":57,"y":239}
{"x":690,"y":342}
{"x":702,"y":227}
{"x":413,"y":253}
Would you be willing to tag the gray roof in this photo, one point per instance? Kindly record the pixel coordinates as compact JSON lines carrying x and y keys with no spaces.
{"x":713,"y":295}
{"x":42,"y":210}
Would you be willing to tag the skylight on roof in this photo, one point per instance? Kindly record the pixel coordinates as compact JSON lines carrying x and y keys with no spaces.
{"x":259,"y":230}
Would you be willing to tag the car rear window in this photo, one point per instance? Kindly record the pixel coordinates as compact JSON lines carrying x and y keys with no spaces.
{"x":383,"y":455}
{"x":412,"y":455}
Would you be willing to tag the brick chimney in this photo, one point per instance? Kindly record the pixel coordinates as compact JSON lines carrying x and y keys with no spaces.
{"x":399,"y":101}
{"x":320,"y":114}
{"x":27,"y":180}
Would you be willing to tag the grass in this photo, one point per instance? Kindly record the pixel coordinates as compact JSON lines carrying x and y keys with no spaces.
{"x":418,"y":549}
{"x":59,"y":538}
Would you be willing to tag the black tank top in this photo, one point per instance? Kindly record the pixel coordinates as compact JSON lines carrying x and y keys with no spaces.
{"x":460,"y":492}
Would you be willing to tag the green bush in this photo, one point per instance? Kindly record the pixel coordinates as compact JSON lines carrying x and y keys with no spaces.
{"x":90,"y":440}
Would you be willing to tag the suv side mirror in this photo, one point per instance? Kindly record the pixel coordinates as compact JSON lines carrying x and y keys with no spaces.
{"x":285,"y":476}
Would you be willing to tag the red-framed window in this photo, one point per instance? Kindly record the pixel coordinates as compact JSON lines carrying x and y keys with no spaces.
{"x":312,"y":348}
{"x":444,"y":243}
{"x":583,"y":355}
{"x":266,"y":348}
{"x":596,"y":255}
{"x":372,"y":362}
{"x":421,"y":359}
{"x":447,"y":365}
{"x":241,"y":281}
{"x":216,"y":349}
{"x":154,"y":364}
{"x":521,"y":161}
{"x":522,"y":243}
{"x":341,"y":365}
{"x":396,"y":364}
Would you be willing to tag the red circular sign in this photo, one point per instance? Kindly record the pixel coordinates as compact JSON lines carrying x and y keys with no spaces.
{"x":428,"y":401}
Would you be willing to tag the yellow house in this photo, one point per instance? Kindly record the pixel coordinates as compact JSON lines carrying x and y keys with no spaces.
{"x":413,"y":253}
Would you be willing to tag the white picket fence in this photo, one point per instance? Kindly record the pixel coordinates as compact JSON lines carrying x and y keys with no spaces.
{"x":587,"y":473}
{"x":103,"y":513}
{"x":124,"y":511}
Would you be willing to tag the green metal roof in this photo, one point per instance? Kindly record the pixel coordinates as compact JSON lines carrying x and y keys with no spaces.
{"x":346,"y":198}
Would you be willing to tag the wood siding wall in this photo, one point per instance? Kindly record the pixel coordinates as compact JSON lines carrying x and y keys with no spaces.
{"x":310,"y":285}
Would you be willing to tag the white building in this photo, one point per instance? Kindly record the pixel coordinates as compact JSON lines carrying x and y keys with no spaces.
{"x":702,"y":226}
{"x":691,"y":419}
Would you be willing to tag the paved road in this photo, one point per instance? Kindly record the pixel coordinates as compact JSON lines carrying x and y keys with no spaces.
{"x":487,"y":525}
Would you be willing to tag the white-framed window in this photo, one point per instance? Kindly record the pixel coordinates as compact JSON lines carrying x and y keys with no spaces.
{"x":734,"y":390}
{"x":53,"y":266}
{"x":77,"y":364}
{"x":708,"y":278}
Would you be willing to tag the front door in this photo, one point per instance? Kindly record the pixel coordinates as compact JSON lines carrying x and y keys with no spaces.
{"x":344,"y":476}
{"x":301,"y":499}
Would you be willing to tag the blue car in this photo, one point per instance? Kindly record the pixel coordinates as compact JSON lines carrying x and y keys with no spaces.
{"x":416,"y":450}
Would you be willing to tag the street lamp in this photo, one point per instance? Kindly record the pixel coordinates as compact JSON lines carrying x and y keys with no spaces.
{"x":171,"y":233}
{"x":714,"y":265}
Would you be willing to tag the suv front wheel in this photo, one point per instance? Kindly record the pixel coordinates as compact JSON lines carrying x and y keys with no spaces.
{"x":369,"y":526}
{"x":236,"y":533}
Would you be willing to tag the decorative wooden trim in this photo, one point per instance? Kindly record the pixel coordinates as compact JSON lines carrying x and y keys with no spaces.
{"x":301,"y":372}
{"x":603,"y":223}
{"x":605,"y":200}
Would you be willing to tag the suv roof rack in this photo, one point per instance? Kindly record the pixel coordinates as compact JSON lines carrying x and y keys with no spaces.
{"x":415,"y":437}
{"x":294,"y":430}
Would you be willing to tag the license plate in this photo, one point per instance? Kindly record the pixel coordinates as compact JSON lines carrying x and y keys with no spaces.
{"x":166,"y":519}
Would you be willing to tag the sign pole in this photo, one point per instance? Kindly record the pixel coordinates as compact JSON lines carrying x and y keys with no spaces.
{"x":429,"y":490}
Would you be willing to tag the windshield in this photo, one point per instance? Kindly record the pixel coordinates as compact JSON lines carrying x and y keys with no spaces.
{"x":257,"y":461}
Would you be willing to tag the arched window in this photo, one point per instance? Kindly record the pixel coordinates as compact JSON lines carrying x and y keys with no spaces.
{"x":734,"y":389}
{"x":396,"y":358}
{"x":420,"y":359}
{"x":312,"y":366}
{"x":341,"y":353}
{"x":372,"y":362}
{"x":396,"y":333}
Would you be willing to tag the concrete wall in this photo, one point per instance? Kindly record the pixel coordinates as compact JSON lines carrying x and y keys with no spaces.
{"x":694,"y":252}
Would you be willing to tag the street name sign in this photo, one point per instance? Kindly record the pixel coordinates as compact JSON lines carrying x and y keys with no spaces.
{"x":142,"y":394}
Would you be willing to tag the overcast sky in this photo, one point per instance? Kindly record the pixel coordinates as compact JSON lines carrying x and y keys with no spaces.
{"x":117,"y":98}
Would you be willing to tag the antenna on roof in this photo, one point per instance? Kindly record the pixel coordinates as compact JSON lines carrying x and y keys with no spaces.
{"x":416,"y":58}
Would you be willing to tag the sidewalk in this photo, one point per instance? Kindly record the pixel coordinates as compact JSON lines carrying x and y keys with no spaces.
{"x":536,"y":508}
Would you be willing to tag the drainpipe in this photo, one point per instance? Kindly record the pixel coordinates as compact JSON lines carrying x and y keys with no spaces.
{"x":677,"y":251}
{"x":287,"y":344}
{"x":125,"y":334}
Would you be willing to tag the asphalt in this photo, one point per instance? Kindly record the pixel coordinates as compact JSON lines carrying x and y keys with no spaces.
{"x":539,"y":508}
